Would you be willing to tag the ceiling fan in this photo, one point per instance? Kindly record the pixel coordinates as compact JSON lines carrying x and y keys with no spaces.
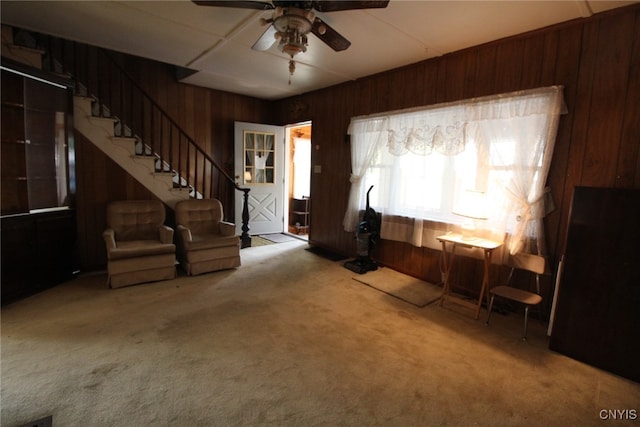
{"x":291,"y":21}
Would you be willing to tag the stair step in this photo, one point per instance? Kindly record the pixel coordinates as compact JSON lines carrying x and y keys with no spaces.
{"x":109,"y":120}
{"x":165,"y":172}
{"x":106,"y":124}
{"x":124,"y":140}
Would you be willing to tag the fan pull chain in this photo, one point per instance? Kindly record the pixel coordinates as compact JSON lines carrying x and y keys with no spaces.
{"x":292,"y":69}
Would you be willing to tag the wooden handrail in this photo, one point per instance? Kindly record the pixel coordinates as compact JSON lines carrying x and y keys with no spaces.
{"x":167,"y":117}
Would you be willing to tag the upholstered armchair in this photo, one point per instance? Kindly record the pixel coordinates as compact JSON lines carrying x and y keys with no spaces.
{"x":139,"y":246}
{"x":205,"y":242}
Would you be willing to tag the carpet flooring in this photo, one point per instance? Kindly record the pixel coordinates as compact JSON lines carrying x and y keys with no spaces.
{"x":406,"y":288}
{"x":325,"y":253}
{"x":259,"y":241}
{"x":277,"y":237}
{"x":287,"y":339}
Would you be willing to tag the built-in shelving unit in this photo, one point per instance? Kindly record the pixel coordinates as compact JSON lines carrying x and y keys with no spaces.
{"x":37,"y":213}
{"x":300,"y":215}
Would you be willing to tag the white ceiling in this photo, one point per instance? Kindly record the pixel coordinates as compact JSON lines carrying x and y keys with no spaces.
{"x":217,"y":41}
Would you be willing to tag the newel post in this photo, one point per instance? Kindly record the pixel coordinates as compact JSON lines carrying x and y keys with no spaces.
{"x":245,"y":239}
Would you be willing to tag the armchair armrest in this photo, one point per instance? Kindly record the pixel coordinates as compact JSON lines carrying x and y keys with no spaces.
{"x":227,"y":228}
{"x":166,"y":234}
{"x":184,"y":233}
{"x":109,"y":236}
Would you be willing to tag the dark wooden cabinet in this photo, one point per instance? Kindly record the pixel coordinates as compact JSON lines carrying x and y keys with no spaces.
{"x":597,"y":318}
{"x":38,"y":252}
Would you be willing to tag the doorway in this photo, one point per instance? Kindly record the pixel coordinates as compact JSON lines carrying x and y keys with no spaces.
{"x":298,"y":179}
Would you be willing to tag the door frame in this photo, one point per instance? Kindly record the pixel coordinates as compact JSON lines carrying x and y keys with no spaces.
{"x":287,"y":172}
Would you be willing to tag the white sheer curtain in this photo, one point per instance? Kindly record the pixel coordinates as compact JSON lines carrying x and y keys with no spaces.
{"x":367,"y":137}
{"x":424,"y":158}
{"x":258,"y":147}
{"x":520,"y":134}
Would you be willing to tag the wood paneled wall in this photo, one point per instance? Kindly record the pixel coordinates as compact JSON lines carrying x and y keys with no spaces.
{"x":597,"y":60}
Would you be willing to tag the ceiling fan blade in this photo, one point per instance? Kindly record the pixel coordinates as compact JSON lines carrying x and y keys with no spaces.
{"x":333,"y":6}
{"x":239,"y":4}
{"x":266,"y":40}
{"x":330,"y":36}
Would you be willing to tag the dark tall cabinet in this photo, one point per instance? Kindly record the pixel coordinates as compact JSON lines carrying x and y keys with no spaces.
{"x":597,"y":318}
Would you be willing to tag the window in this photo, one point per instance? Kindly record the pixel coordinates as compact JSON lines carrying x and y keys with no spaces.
{"x":421,"y":160}
{"x":258,"y":157}
{"x":418,"y":186}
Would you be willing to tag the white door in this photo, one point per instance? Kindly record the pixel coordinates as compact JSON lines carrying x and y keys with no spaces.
{"x":259,"y":166}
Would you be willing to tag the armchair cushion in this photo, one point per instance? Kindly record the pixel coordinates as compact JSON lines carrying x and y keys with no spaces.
{"x":140,"y":248}
{"x":208,"y":241}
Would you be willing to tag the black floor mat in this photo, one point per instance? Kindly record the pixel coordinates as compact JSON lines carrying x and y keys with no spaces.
{"x":325,"y":253}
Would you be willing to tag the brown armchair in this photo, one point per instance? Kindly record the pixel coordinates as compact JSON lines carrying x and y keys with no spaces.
{"x":139,"y":246}
{"x":205,"y":242}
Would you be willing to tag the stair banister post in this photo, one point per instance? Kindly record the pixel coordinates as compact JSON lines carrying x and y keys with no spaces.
{"x":245,"y":239}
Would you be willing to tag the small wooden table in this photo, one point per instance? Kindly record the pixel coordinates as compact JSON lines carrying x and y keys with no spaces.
{"x":488,"y":246}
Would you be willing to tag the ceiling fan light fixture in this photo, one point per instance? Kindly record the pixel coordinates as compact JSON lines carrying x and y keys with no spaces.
{"x":292,"y":42}
{"x":292,"y":49}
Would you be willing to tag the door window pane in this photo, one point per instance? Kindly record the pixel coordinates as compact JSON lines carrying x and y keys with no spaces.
{"x":259,"y":154}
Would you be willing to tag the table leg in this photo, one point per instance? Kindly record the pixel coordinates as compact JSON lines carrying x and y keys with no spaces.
{"x":448,"y":263}
{"x":486,"y":290}
{"x":485,"y":282}
{"x":446,"y":270}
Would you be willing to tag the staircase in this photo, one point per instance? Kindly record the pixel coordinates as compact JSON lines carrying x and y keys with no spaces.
{"x":120,"y":118}
{"x":130,"y":153}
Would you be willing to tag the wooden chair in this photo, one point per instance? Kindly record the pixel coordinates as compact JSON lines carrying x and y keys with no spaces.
{"x":532,"y":263}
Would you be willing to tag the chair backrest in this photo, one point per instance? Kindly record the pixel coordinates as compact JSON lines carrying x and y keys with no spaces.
{"x":135,"y":219}
{"x":533,"y":263}
{"x":202,"y":216}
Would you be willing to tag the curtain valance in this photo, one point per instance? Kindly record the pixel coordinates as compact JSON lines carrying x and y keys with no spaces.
{"x":442,"y":128}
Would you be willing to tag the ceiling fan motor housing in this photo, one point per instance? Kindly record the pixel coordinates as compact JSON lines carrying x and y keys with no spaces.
{"x":293,"y":25}
{"x":293,"y":18}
